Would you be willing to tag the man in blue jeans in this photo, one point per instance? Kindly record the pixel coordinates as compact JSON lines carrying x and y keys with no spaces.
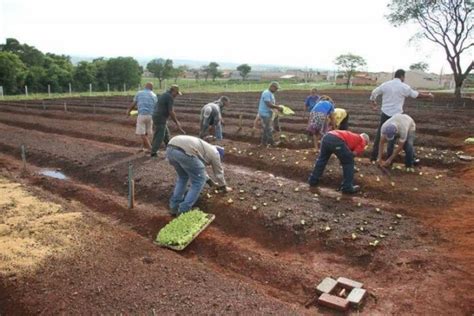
{"x":265,"y":107}
{"x":211,"y":115}
{"x":345,"y":145}
{"x":189,"y":156}
{"x":401,"y":127}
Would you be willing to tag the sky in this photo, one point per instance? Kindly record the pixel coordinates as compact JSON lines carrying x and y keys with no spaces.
{"x":294,"y":33}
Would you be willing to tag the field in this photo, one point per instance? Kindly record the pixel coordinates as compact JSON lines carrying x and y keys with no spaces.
{"x":273,"y":238}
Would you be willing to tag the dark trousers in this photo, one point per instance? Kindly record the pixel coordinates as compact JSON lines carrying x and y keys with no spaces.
{"x":162,"y":134}
{"x":408,"y":148}
{"x":331,"y":144}
{"x":375,"y":150}
{"x":344,"y":126}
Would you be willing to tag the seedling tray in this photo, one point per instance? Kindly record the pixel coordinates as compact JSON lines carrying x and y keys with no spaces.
{"x":210,"y":219}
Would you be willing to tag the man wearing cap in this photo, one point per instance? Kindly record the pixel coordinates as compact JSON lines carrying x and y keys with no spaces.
{"x":211,"y":115}
{"x":145,"y":101}
{"x":189,"y":156}
{"x":345,"y":145}
{"x":265,"y":107}
{"x":393,"y":94}
{"x":163,"y":110}
{"x":401,"y":127}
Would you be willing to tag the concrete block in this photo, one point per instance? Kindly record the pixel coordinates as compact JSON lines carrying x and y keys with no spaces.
{"x":356,"y":296}
{"x":348,"y":283}
{"x":333,"y":301}
{"x":326,"y":286}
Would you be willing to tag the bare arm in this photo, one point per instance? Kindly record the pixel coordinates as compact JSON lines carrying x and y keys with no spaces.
{"x":381,"y":145}
{"x":131,"y":107}
{"x":175,"y":120}
{"x":395,"y":153}
{"x":273,"y":106}
{"x":332,"y":119}
{"x":422,"y":95}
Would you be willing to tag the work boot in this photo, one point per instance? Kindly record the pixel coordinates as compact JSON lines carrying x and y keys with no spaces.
{"x":353,"y":190}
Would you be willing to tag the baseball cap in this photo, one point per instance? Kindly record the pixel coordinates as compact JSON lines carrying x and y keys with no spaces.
{"x":220,"y":150}
{"x":275,"y":84}
{"x":366,"y":138}
{"x":175,"y":87}
{"x":389,"y":130}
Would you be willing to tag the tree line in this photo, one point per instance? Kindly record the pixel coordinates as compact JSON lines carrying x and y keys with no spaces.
{"x":24,"y":65}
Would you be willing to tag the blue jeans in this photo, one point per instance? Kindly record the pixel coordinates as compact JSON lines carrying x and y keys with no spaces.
{"x":375,"y":150}
{"x":331,"y":144}
{"x":267,"y":135}
{"x":205,"y":122}
{"x":408,"y":148}
{"x":188,"y":168}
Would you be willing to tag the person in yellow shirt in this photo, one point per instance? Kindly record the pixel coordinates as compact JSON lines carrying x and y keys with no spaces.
{"x":342,"y":119}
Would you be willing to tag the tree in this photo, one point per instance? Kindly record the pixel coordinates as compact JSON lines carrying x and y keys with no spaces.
{"x":349,"y":63}
{"x":197,"y":74}
{"x":84,"y":74}
{"x":161,"y":69}
{"x":206,"y":71}
{"x":422,"y":66}
{"x":179,"y":72}
{"x":59,"y":72}
{"x":448,"y":23}
{"x":29,"y":55}
{"x":123,"y":70}
{"x":244,"y":70}
{"x":101,"y":80}
{"x":12,"y":72}
{"x":214,"y":72}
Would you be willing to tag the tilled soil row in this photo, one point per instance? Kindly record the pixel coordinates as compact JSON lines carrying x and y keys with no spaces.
{"x":102,"y":128}
{"x":304,"y":220}
{"x":112,"y":258}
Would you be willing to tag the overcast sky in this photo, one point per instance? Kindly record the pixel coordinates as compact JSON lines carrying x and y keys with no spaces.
{"x":297,"y":33}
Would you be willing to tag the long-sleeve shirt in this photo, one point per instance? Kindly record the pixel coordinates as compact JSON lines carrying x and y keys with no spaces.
{"x":206,"y":152}
{"x":354,"y":142}
{"x":393,"y":93}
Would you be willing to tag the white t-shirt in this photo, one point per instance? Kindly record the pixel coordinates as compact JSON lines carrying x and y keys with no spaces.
{"x":404,"y":123}
{"x":393,"y":93}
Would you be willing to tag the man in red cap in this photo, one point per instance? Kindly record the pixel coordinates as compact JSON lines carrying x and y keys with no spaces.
{"x":345,"y":145}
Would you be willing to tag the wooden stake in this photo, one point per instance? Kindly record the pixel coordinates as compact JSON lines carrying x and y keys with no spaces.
{"x":23,"y":156}
{"x":65,"y":107}
{"x":131,"y":188}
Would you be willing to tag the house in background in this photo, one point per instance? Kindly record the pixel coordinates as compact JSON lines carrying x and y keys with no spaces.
{"x":419,"y":79}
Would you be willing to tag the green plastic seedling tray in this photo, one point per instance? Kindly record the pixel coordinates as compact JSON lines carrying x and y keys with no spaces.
{"x":210,"y":219}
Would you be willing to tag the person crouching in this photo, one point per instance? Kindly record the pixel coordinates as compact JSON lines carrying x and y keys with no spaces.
{"x":189,"y":156}
{"x":345,"y":145}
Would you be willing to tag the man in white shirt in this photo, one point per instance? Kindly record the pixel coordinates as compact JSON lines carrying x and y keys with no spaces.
{"x":393,"y":94}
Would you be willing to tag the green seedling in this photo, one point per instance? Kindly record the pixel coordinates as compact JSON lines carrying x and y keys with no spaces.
{"x":181,"y":230}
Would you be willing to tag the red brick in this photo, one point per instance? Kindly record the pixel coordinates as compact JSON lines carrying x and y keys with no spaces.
{"x":356,"y":296}
{"x":326,"y":286}
{"x":333,"y":301}
{"x":348,"y":283}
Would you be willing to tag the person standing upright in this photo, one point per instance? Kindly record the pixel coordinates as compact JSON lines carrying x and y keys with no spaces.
{"x":393,"y":94}
{"x":311,"y":100}
{"x":265,"y":107}
{"x":164,"y":110}
{"x":145,"y":101}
